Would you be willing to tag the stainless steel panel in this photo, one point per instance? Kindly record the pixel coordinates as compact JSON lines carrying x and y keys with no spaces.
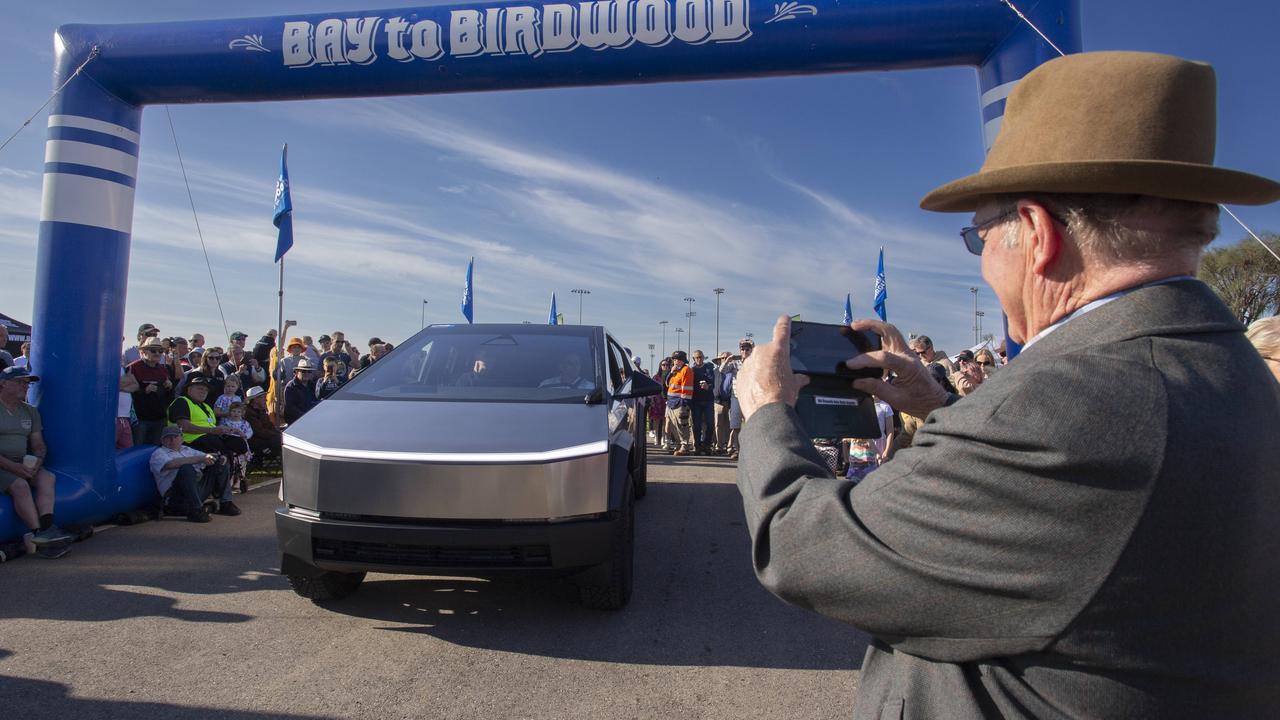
{"x":579,"y":486}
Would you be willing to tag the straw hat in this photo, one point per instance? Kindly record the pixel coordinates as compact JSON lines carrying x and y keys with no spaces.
{"x":1109,"y":122}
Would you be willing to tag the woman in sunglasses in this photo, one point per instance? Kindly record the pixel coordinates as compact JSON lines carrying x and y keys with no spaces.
{"x":208,"y":369}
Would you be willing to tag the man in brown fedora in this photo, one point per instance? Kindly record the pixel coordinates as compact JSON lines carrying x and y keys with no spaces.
{"x":1091,"y":533}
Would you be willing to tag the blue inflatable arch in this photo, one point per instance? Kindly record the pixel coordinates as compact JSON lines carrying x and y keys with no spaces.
{"x":95,"y":125}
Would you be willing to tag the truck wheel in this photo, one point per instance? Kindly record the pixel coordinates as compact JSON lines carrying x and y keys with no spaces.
{"x":326,"y":586}
{"x":608,"y":586}
{"x":640,"y":473}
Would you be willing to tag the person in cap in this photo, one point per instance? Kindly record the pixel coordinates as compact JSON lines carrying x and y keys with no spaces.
{"x":300,"y":393}
{"x":154,"y":392}
{"x":262,"y":349}
{"x":1059,"y":544}
{"x":22,"y":454}
{"x":266,"y":439}
{"x":198,"y":423}
{"x":185,"y":477}
{"x":133,"y":353}
{"x":236,"y":340}
{"x":295,"y":349}
{"x":680,"y":403}
{"x":968,"y":374}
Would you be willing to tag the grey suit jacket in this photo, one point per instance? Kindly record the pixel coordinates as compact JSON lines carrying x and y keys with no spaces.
{"x":1093,"y":533}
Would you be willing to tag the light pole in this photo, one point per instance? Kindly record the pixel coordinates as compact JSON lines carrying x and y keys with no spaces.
{"x":580,"y":292}
{"x":424,"y":313}
{"x":981,"y":314}
{"x":651,"y":365}
{"x":974,"y":290}
{"x":690,"y":316}
{"x":718,"y":292}
{"x":679,"y":333}
{"x":663,"y":324}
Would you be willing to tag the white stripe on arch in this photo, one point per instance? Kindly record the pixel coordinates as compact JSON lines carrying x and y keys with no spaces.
{"x":997,"y":93}
{"x":80,"y":153}
{"x":87,"y":201}
{"x":87,"y":123}
{"x":990,"y":129}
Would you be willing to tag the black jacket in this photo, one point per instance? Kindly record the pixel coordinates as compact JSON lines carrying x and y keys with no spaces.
{"x":299,"y":397}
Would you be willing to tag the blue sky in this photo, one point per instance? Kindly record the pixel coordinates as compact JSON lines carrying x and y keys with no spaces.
{"x":779,"y":190}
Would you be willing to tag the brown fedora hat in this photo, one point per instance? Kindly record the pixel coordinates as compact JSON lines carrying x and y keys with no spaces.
{"x":1127,"y":123}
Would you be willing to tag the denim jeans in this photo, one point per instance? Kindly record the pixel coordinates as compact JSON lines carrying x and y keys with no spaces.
{"x":191,"y":488}
{"x":704,"y":431}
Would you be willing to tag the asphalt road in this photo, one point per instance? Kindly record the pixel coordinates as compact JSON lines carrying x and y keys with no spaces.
{"x":174,"y":619}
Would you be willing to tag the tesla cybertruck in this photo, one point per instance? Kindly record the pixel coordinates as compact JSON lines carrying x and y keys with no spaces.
{"x":472,"y":450}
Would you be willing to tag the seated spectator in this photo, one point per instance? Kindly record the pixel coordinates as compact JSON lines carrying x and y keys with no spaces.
{"x":207,"y":369}
{"x":1265,"y":335}
{"x":22,"y":473}
{"x":240,"y":470}
{"x":230,"y":395}
{"x":330,"y":381}
{"x":195,"y":418}
{"x":181,"y":478}
{"x":266,"y":438}
{"x":155,"y":392}
{"x":299,"y":396}
{"x":570,"y":376}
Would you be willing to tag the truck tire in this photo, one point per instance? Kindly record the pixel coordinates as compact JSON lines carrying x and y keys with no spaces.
{"x":608,"y":586}
{"x":640,"y":473}
{"x":326,"y":586}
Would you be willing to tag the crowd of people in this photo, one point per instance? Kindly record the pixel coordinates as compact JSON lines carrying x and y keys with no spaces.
{"x":212,"y":410}
{"x":698,"y":412}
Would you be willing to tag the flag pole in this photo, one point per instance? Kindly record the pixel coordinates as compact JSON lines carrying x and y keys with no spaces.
{"x":279,"y":386}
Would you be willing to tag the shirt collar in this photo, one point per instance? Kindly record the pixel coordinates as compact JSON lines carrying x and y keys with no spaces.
{"x":1090,"y":307}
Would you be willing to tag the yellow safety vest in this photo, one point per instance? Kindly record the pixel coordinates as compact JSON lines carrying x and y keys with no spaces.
{"x":201,"y":414}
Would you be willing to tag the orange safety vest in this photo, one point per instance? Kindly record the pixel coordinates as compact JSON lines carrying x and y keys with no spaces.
{"x":680,"y":384}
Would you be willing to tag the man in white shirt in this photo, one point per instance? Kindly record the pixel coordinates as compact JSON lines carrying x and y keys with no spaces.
{"x":179,"y":480}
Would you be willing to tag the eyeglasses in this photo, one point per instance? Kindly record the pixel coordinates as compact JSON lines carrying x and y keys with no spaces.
{"x":973,"y":240}
{"x":986,"y":363}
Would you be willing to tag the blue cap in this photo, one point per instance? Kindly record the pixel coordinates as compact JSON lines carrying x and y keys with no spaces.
{"x":15,"y":372}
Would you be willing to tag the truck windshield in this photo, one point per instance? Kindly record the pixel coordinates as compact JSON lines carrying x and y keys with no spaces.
{"x":475,"y":364}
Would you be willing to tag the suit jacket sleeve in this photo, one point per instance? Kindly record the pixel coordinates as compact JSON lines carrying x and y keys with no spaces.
{"x":988,"y":535}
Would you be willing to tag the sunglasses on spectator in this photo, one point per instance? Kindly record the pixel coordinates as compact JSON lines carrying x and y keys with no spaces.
{"x":973,"y":241}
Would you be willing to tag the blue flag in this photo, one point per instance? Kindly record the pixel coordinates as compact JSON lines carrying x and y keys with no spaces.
{"x":848,"y":310}
{"x":282,"y":218}
{"x":468,"y":299}
{"x":551,"y":318}
{"x":882,"y":290}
